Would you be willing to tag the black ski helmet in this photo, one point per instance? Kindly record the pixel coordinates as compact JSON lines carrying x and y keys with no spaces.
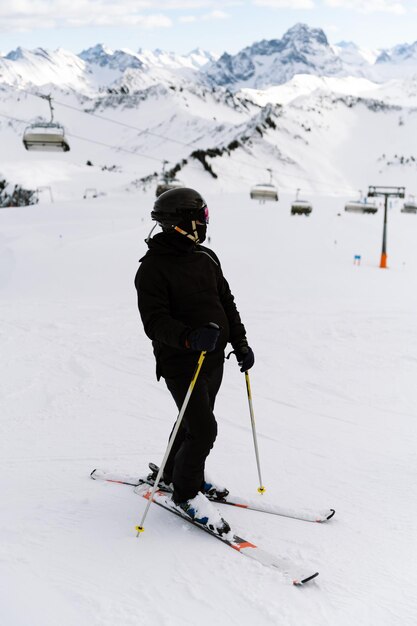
{"x":178,"y":205}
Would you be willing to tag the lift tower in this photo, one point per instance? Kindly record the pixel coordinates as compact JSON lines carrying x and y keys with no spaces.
{"x":385,"y":192}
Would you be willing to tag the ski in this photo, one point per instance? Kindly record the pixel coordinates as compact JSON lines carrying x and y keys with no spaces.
{"x":303,"y":514}
{"x":247,"y":548}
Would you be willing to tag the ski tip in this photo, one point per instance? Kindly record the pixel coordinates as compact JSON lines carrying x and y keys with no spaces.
{"x":325,"y":518}
{"x":299,"y":583}
{"x":92,"y":474}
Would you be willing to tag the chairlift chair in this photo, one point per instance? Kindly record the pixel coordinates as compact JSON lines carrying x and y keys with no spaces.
{"x":46,"y":136}
{"x":90,"y":192}
{"x":410,"y":206}
{"x":164,"y":185}
{"x":264,"y":191}
{"x":301,"y":207}
{"x":360,"y":206}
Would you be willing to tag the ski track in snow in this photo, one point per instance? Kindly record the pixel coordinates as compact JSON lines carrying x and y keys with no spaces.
{"x":335,"y":408}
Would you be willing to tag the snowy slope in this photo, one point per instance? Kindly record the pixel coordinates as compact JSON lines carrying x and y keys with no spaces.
{"x":327,"y":135}
{"x":42,"y":67}
{"x":334,"y":398}
{"x":335,"y":129}
{"x":335,"y":344}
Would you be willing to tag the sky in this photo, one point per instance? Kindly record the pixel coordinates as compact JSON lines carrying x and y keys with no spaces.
{"x":183,"y":25}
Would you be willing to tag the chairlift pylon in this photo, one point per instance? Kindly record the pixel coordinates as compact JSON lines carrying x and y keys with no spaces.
{"x":46,"y":136}
{"x":165,"y":183}
{"x":300,"y":207}
{"x":265,"y":191}
{"x":361,"y":205}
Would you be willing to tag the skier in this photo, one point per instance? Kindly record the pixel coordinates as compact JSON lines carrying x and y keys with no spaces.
{"x":187,"y":307}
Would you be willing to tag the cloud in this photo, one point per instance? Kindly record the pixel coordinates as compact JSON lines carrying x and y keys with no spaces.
{"x":370,"y":6}
{"x":32,"y":14}
{"x":21,"y":15}
{"x":213,"y":15}
{"x":187,"y":19}
{"x":285,"y":4}
{"x":195,"y":4}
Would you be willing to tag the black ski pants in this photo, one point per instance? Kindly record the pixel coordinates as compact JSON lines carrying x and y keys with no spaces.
{"x":197,"y":433}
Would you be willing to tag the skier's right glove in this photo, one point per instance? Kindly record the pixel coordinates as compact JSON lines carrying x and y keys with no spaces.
{"x":244,"y":355}
{"x":203,"y":338}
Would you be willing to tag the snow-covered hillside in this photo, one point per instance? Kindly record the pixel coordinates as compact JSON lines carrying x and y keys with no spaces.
{"x":335,"y":406}
{"x":334,"y":128}
{"x":327,"y":135}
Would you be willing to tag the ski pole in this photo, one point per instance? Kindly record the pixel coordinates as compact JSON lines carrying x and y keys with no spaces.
{"x":140,"y":528}
{"x":261,"y":488}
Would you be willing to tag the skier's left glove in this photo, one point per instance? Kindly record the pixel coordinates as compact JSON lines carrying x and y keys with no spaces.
{"x":244,"y":355}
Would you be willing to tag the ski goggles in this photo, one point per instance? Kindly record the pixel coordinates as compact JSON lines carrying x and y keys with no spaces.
{"x":203,"y":215}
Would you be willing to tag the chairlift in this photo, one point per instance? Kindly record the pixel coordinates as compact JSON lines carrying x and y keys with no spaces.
{"x":47,"y":188}
{"x":165,"y":183}
{"x":90,"y":192}
{"x":301,"y":207}
{"x":264,"y":191}
{"x":410,"y":206}
{"x":360,"y":206}
{"x":46,"y":136}
{"x":163,"y":186}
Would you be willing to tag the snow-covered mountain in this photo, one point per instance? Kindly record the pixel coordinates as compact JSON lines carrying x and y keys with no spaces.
{"x":356,"y":61}
{"x":403,"y":53}
{"x":114,"y":59}
{"x":22,"y":68}
{"x":302,"y":50}
{"x":305,"y":50}
{"x":98,"y":68}
{"x":324,"y":129}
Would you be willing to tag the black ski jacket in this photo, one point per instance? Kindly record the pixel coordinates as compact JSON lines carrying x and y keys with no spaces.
{"x":180,"y":287}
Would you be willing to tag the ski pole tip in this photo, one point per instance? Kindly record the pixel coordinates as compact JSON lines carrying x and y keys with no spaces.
{"x":139,"y":529}
{"x":261,"y":489}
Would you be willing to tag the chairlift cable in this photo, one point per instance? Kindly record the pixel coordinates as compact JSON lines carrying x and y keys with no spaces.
{"x":182,"y":143}
{"x":143,"y":131}
{"x":146,"y":156}
{"x":108,"y":119}
{"x":117,"y":148}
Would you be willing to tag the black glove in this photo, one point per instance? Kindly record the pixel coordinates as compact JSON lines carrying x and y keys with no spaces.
{"x":244,"y":355}
{"x":203,"y":338}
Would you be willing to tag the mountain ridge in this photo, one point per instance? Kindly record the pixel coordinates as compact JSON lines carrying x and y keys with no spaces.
{"x":265,"y":63}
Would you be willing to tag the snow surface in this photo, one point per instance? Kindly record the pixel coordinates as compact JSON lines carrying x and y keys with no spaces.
{"x":323,"y":135}
{"x":334,"y":391}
